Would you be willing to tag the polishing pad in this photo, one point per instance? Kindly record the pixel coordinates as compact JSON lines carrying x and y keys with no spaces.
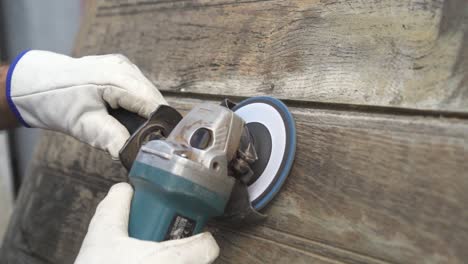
{"x":274,"y":137}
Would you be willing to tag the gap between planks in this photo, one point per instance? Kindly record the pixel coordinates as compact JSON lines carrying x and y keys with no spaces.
{"x":353,"y":254}
{"x":350,"y":254}
{"x":354,"y":108}
{"x":165,"y":2}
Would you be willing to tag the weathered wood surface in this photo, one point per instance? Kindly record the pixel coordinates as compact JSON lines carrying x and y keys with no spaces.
{"x":365,"y":188}
{"x":370,"y":184}
{"x":394,"y":53}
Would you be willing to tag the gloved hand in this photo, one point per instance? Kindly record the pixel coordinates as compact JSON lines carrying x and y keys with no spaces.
{"x":69,"y":95}
{"x":107,"y":240}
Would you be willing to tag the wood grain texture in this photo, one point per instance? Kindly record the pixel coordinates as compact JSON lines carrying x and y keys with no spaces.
{"x":365,"y":188}
{"x":411,"y":54}
{"x":370,"y":184}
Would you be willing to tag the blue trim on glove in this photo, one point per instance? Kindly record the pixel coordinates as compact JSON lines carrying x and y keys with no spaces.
{"x":8,"y":89}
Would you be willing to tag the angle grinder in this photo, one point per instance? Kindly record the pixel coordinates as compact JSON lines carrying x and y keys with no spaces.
{"x":223,"y":161}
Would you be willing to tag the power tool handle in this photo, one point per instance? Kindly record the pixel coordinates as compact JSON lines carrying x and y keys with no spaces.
{"x":130,"y":120}
{"x":161,"y":209}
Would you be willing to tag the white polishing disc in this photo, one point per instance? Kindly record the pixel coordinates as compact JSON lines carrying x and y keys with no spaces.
{"x":274,"y":116}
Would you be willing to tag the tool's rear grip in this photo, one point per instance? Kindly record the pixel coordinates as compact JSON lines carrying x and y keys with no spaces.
{"x":155,"y":214}
{"x":149,"y":217}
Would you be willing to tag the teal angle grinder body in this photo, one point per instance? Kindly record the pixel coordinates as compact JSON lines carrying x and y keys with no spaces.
{"x":224,"y":162}
{"x":167,"y":206}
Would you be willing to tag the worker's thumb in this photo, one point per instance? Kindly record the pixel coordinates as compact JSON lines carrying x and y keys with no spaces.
{"x":201,"y":248}
{"x":112,"y":213}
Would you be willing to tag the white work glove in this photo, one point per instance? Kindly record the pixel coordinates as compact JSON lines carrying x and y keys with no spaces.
{"x":56,"y":92}
{"x":107,"y":240}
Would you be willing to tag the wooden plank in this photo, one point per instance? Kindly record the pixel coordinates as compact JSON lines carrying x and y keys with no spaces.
{"x":238,"y":248}
{"x":391,"y":188}
{"x":411,"y":54}
{"x":365,"y":188}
